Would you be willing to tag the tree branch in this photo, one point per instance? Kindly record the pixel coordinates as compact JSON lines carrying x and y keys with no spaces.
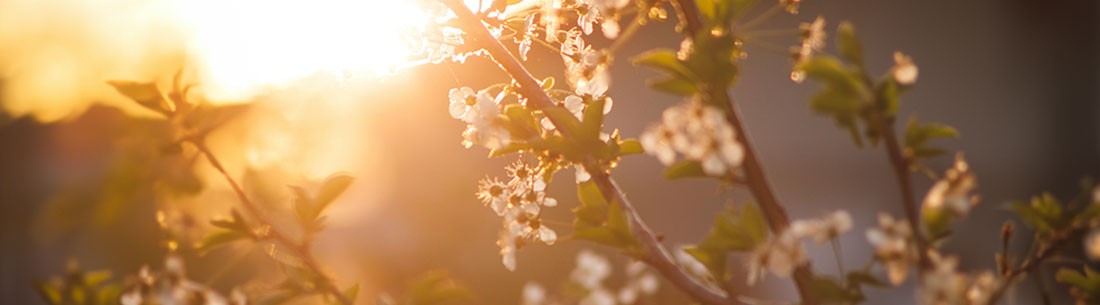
{"x":756,"y":180}
{"x":900,"y":165}
{"x":300,"y":250}
{"x":655,"y":253}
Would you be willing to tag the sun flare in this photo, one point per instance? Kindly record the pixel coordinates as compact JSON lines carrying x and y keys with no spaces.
{"x":249,"y":45}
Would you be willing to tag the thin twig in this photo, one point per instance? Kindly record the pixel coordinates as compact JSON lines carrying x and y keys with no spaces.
{"x":763,"y":17}
{"x":900,"y":165}
{"x":1029,"y":265}
{"x":655,"y":253}
{"x":637,"y":23}
{"x":300,"y":250}
{"x":756,"y":180}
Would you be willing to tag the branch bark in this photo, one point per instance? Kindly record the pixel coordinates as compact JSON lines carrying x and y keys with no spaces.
{"x":755,"y":178}
{"x":655,"y":253}
{"x":300,"y":250}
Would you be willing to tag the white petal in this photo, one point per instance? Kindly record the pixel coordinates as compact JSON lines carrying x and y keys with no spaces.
{"x":547,"y":235}
{"x":713,"y":166}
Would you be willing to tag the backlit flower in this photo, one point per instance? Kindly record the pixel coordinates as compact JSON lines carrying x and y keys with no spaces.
{"x":904,"y":71}
{"x":894,"y":246}
{"x":699,"y":132}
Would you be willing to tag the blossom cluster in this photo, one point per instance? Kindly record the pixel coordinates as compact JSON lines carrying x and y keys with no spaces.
{"x":944,"y":285}
{"x":172,"y":287}
{"x":481,"y":112}
{"x":813,"y":40}
{"x":589,"y":275}
{"x":894,"y":246}
{"x":952,"y":193}
{"x":700,"y":132}
{"x":519,"y":201}
{"x":783,"y":253}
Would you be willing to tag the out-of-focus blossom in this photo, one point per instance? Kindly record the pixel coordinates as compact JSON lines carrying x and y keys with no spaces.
{"x":894,"y":246}
{"x":904,"y":70}
{"x":699,"y":132}
{"x":519,"y":202}
{"x":952,"y":193}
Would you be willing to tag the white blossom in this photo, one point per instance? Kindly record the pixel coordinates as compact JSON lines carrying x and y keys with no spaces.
{"x":943,"y":285}
{"x":534,"y":294}
{"x":692,"y":265}
{"x":591,"y":270}
{"x":779,"y":255}
{"x":519,"y":202}
{"x":1092,"y":244}
{"x":790,"y":5}
{"x":813,"y":39}
{"x":894,"y":246}
{"x":823,"y":229}
{"x":952,"y":193}
{"x":598,"y":296}
{"x":904,"y":71}
{"x":638,"y":282}
{"x":699,"y":132}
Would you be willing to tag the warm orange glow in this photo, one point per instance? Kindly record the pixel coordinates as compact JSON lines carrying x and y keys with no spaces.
{"x":249,"y":45}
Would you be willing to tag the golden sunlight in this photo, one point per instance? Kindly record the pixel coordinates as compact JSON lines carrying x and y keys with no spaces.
{"x":249,"y":45}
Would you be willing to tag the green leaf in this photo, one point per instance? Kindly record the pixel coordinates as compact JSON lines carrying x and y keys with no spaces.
{"x":835,"y":102}
{"x":685,"y":169}
{"x":713,"y":259}
{"x":593,"y":122}
{"x":630,"y":147}
{"x":521,"y":122}
{"x":334,"y":186}
{"x":916,"y":134}
{"x":734,"y":229}
{"x":50,"y":293}
{"x":864,"y":278}
{"x":145,"y":94}
{"x":548,"y":82}
{"x":589,"y":194}
{"x":217,"y":239}
{"x":601,"y":222}
{"x":435,"y":287}
{"x":1044,"y":213}
{"x":560,"y":116}
{"x":665,"y":60}
{"x":848,"y":43}
{"x":207,"y":118}
{"x":351,"y":293}
{"x":676,"y":86}
{"x":835,"y":76}
{"x":829,"y":291}
{"x":94,"y":278}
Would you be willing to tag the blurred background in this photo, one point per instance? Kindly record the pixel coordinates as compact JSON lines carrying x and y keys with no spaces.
{"x":1019,"y":79}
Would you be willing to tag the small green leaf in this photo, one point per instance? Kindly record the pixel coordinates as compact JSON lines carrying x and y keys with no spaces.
{"x":589,"y":194}
{"x":217,"y":239}
{"x":630,"y":147}
{"x":864,"y":278}
{"x":713,"y":259}
{"x":685,"y":169}
{"x":829,"y":291}
{"x":351,"y":293}
{"x":334,"y":186}
{"x":94,"y":278}
{"x":848,"y":43}
{"x":547,"y":83}
{"x":1044,"y":213}
{"x":435,"y":287}
{"x":676,"y":86}
{"x":593,"y":122}
{"x":665,"y":60}
{"x":49,"y":292}
{"x":145,"y":94}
